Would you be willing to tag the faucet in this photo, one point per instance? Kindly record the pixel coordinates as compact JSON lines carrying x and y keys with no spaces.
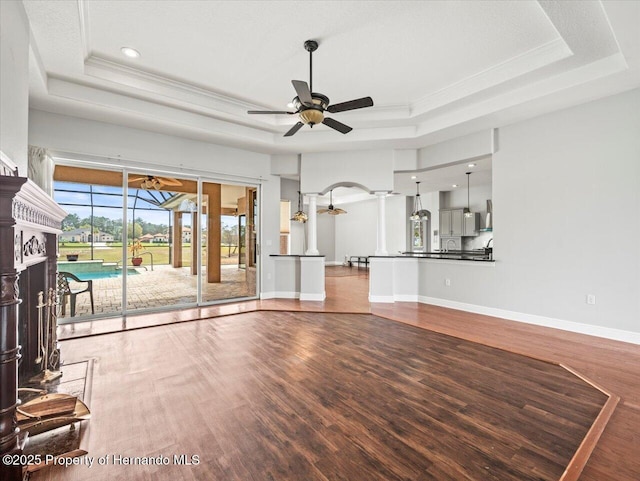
{"x":488,"y":251}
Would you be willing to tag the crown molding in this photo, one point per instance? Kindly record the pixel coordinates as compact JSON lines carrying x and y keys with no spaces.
{"x":159,"y":85}
{"x":515,"y":67}
{"x":117,"y":101}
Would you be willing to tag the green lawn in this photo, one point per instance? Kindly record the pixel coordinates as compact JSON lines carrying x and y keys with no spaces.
{"x":113,"y":253}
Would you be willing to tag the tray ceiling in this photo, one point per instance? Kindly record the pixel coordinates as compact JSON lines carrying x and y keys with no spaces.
{"x":434,"y":69}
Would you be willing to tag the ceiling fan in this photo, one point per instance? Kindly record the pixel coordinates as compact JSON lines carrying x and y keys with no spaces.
{"x":310,"y":106}
{"x":331,"y":210}
{"x":153,"y":182}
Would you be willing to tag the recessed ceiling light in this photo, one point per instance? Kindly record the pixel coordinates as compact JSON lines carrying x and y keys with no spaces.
{"x":130,"y":52}
{"x":413,"y":177}
{"x":454,"y":185}
{"x":471,"y":165}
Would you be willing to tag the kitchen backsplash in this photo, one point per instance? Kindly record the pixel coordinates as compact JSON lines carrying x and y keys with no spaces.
{"x":477,"y":242}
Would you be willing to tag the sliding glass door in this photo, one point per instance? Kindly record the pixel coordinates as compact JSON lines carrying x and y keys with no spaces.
{"x":90,"y":246}
{"x":225,"y":273}
{"x":150,"y":242}
{"x":161,"y":245}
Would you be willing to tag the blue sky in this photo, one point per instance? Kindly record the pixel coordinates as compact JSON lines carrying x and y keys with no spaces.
{"x":113,"y":203}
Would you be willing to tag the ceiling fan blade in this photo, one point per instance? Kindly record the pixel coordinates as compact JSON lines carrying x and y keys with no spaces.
{"x":169,"y":181}
{"x":269,"y":112}
{"x":338,"y":210}
{"x":323,"y":211}
{"x":138,"y":179}
{"x":294,"y":129}
{"x":304,"y":94}
{"x":339,"y":126}
{"x":351,"y":105}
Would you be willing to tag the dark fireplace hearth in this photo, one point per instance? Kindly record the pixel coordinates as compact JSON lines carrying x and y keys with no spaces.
{"x":29,"y":225}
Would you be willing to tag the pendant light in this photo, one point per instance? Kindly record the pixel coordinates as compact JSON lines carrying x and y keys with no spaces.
{"x":468,"y":212}
{"x":418,"y":212}
{"x":300,"y":215}
{"x":331,"y":209}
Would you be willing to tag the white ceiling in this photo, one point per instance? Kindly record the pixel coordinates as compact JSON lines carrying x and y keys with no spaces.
{"x":435,"y":69}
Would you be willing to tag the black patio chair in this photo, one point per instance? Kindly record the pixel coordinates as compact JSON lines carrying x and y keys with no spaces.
{"x":64,"y":291}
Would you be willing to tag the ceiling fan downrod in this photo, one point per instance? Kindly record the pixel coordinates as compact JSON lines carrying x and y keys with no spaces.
{"x":311,"y":46}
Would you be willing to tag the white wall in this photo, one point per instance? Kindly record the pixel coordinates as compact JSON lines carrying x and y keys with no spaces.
{"x":478,"y":196}
{"x":121,"y":145}
{"x":289,"y":191}
{"x":356,"y":231}
{"x":371,"y":169}
{"x":566,"y":196}
{"x":14,"y":83}
{"x":479,"y":144}
{"x":327,"y":237}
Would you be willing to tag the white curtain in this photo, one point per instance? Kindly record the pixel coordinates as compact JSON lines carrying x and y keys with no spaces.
{"x":40,"y":168}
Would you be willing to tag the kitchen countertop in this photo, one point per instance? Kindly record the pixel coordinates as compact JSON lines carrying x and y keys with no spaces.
{"x":475,"y":256}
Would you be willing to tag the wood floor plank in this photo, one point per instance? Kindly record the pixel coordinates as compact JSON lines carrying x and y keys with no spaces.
{"x":206,"y":354}
{"x":319,"y":396}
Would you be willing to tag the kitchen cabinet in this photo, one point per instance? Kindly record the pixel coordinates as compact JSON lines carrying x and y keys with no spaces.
{"x":471,"y":225}
{"x":451,"y":222}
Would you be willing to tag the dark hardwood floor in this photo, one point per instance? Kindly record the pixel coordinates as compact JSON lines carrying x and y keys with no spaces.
{"x":320,"y":396}
{"x":131,"y":371}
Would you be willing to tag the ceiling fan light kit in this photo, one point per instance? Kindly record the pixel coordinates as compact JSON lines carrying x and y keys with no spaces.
{"x":331,"y":210}
{"x":151,"y":183}
{"x":154,"y":182}
{"x":311,"y":106}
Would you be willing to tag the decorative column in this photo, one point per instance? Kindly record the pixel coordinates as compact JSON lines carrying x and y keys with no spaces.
{"x":194,"y":245}
{"x":10,"y":249}
{"x":381,"y":249}
{"x":312,"y":229}
{"x":176,"y":239}
{"x":213,"y":194}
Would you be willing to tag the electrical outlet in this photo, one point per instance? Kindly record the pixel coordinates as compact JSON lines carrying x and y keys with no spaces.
{"x":447,"y":282}
{"x":591,"y":299}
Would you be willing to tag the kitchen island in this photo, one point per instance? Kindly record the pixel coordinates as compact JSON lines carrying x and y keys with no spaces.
{"x":421,"y":276}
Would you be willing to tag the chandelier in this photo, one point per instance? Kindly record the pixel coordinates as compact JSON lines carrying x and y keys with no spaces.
{"x":418,"y":212}
{"x":300,"y":215}
{"x":468,"y":212}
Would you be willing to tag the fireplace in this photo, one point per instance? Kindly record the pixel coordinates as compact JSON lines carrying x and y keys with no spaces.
{"x":29,"y":225}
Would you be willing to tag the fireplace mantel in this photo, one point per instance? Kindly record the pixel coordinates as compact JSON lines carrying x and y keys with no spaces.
{"x":35,"y":215}
{"x":30,"y":222}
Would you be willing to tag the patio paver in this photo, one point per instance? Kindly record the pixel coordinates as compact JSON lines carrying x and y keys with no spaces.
{"x":164,"y":286}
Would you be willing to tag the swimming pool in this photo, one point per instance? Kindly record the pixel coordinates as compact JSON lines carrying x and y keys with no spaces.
{"x":86,"y":276}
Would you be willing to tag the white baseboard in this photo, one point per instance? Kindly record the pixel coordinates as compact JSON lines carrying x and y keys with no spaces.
{"x":406,"y":298}
{"x":279,"y":295}
{"x":313,"y":297}
{"x":293,"y":295}
{"x":571,"y":326}
{"x":332,"y":263}
{"x":381,"y":298}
